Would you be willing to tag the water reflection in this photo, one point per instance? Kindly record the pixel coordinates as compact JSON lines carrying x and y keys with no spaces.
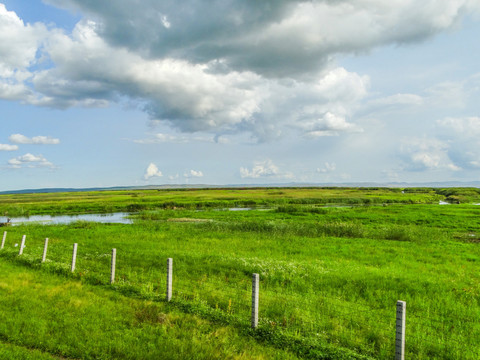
{"x":114,"y":218}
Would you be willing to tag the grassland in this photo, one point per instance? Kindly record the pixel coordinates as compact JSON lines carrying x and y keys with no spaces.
{"x":142,"y":200}
{"x":330,"y":275}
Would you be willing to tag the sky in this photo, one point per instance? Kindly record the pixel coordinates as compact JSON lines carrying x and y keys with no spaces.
{"x":129,"y":93}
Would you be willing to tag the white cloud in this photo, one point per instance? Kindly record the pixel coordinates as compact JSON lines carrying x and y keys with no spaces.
{"x":263,"y":169}
{"x":30,"y":160}
{"x":152,"y":171}
{"x":38,"y":140}
{"x":328,"y":125}
{"x":193,"y":173}
{"x":463,"y":135}
{"x":466,"y":126}
{"x":421,"y":154}
{"x":20,"y":48}
{"x":12,"y":90}
{"x":18,"y":43}
{"x":7,"y":147}
{"x":328,"y":168}
{"x":165,"y":22}
{"x":260,"y":169}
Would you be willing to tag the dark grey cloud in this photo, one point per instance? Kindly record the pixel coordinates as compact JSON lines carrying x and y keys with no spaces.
{"x":273,"y":38}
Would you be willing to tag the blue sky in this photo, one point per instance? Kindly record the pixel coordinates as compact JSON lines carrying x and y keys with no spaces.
{"x":237,"y":92}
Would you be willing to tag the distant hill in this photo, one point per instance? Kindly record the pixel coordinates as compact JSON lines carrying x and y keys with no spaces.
{"x":439,"y":184}
{"x":56,"y":190}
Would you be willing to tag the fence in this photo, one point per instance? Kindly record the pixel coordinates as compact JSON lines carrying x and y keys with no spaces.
{"x":327,"y":319}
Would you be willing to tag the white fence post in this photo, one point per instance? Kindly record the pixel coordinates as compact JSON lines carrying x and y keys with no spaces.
{"x":22,"y":245}
{"x":112,"y":271}
{"x":3,"y":239}
{"x":400,"y":331}
{"x":255,"y":293}
{"x":44,"y":256}
{"x":169,"y":278}
{"x":74,"y":256}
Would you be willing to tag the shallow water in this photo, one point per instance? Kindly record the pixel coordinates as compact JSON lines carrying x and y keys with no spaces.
{"x":115,"y":218}
{"x":122,"y":217}
{"x":240,"y":209}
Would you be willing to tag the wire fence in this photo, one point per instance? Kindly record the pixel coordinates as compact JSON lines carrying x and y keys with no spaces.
{"x":364,"y":328}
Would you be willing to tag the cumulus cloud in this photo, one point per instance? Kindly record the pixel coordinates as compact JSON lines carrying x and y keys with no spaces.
{"x":191,"y":97}
{"x":260,"y":169}
{"x":152,"y":171}
{"x":7,"y":147}
{"x":12,"y":90}
{"x":174,"y":90}
{"x":264,"y":169}
{"x":29,"y":160}
{"x":18,"y":43}
{"x":193,"y":173}
{"x":328,"y":125}
{"x":222,"y":67}
{"x":422,"y":154}
{"x":38,"y":140}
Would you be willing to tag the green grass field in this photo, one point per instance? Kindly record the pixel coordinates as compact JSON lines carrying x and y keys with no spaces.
{"x":330,"y":276}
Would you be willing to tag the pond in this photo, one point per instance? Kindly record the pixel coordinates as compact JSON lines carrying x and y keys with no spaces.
{"x":115,"y":218}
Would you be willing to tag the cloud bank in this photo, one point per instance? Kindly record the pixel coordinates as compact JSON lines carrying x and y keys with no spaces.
{"x":261,"y":67}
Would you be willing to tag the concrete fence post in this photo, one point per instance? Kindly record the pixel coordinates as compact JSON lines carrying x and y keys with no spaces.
{"x":44,"y":256}
{"x":22,"y":245}
{"x":255,"y":293}
{"x":74,"y":256}
{"x":3,"y":239}
{"x":112,"y":271}
{"x":169,"y":278}
{"x":400,"y":331}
